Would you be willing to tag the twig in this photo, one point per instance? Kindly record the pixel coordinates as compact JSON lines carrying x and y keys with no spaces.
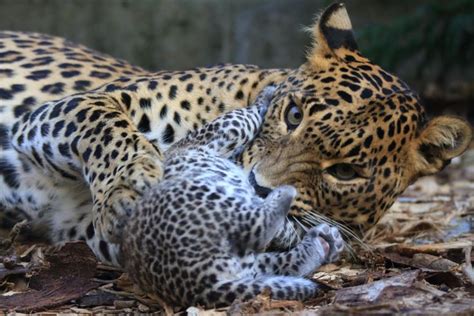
{"x":467,"y":266}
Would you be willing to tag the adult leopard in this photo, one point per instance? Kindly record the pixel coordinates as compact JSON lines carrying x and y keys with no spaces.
{"x":82,"y":135}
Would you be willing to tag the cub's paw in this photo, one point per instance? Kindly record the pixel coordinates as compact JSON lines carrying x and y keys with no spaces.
{"x":262,"y":102}
{"x":330,"y":240}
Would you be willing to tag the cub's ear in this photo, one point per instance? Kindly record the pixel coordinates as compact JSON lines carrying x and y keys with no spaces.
{"x":442,"y":139}
{"x":332,"y":34}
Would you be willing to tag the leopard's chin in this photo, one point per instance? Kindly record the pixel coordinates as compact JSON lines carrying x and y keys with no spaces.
{"x":260,"y":190}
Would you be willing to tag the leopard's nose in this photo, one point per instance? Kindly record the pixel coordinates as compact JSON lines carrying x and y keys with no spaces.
{"x":260,"y":190}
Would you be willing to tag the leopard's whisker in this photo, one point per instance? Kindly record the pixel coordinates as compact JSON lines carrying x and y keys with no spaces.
{"x":314,"y":219}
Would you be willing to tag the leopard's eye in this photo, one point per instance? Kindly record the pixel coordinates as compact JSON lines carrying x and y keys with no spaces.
{"x":293,"y":116}
{"x":343,"y":171}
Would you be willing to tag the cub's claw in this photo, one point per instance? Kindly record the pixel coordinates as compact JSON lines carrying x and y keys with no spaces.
{"x":263,"y":100}
{"x":330,"y":239}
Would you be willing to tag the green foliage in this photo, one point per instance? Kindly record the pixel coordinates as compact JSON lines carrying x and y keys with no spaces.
{"x":438,"y":35}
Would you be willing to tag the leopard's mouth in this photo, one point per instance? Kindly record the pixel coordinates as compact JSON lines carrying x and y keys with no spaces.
{"x":260,"y":190}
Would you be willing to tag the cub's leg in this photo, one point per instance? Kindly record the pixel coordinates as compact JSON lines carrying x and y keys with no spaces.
{"x":87,"y":138}
{"x":320,"y":245}
{"x":281,"y":287}
{"x":230,"y":133}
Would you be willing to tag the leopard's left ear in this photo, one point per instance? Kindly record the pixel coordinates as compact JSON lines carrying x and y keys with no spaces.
{"x":332,"y":34}
{"x":442,"y":139}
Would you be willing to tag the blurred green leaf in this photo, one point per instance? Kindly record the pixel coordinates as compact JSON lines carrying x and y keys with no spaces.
{"x":437,"y":33}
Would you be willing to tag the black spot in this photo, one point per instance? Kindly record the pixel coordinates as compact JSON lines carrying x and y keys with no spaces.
{"x":6,"y":73}
{"x":95,"y":115}
{"x":345,"y":96}
{"x":380,"y":132}
{"x":55,"y":88}
{"x":177,"y":118}
{"x":152,"y":85}
{"x":72,"y":233}
{"x":349,"y":58}
{"x":56,"y":111}
{"x":163,"y":111}
{"x":391,"y":129}
{"x":32,"y":133}
{"x":19,"y":110}
{"x":126,"y":100}
{"x":90,"y":231}
{"x":366,"y":93}
{"x":168,"y":134}
{"x":16,"y":88}
{"x":38,"y":111}
{"x":9,"y":173}
{"x":81,"y":85}
{"x":326,"y":116}
{"x":4,"y":137}
{"x":189,"y":87}
{"x":86,"y":154}
{"x":98,"y":152}
{"x":221,"y":107}
{"x":70,"y":129}
{"x":39,"y":61}
{"x":185,"y":105}
{"x":47,"y":149}
{"x":72,"y":104}
{"x":99,"y":74}
{"x":69,"y":65}
{"x":350,"y":85}
{"x":213,"y":296}
{"x":81,"y":115}
{"x":185,"y":77}
{"x":354,"y":151}
{"x":317,"y":107}
{"x":104,"y":249}
{"x":38,"y":75}
{"x":332,"y":102}
{"x":368,"y":141}
{"x":64,"y":150}
{"x":239,"y":95}
{"x":392,"y":146}
{"x":144,"y":124}
{"x":5,"y":94}
{"x":230,"y":297}
{"x":172,"y":92}
{"x":57,"y":128}
{"x":145,"y":103}
{"x":328,"y":79}
{"x":70,"y":74}
{"x":121,"y":124}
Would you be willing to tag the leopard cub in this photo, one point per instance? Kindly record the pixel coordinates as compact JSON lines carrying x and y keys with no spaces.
{"x":199,"y":236}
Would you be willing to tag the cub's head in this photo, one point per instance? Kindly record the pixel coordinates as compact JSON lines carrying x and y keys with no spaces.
{"x":347,"y":134}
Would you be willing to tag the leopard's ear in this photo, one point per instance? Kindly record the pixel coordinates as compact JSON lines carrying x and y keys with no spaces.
{"x":442,"y":139}
{"x":332,"y":34}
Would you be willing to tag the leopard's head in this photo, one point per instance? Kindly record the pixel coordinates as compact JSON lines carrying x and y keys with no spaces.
{"x":347,"y":134}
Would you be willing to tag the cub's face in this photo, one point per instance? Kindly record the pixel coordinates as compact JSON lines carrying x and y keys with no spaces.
{"x":348,"y":135}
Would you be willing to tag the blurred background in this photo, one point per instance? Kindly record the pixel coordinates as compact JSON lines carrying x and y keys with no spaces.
{"x":429,"y":43}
